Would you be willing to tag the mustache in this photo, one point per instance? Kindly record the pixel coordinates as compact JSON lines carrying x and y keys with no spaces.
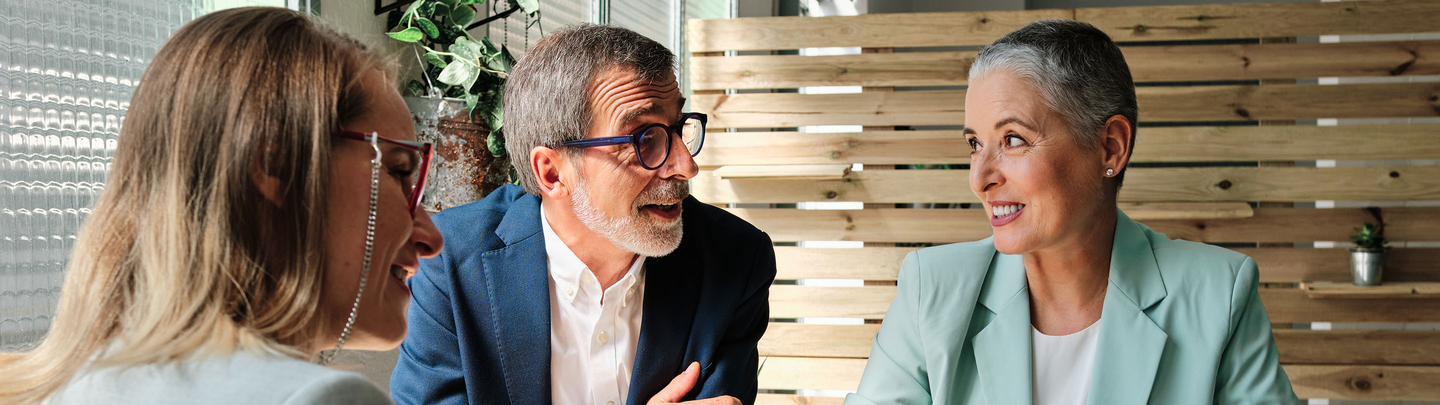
{"x":664,"y":191}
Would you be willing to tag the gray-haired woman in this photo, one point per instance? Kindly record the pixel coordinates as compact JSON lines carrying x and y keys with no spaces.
{"x":1070,"y":301}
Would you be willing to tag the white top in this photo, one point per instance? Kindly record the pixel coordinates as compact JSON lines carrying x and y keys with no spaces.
{"x":592,"y":346}
{"x":1060,"y":366}
{"x":240,"y":378}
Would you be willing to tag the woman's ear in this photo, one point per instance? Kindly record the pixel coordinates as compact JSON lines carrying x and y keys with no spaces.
{"x":269,"y":186}
{"x":549,"y":168}
{"x":1116,"y":140}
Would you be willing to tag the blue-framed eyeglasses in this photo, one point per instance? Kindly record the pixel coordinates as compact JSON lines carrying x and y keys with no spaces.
{"x":653,"y":142}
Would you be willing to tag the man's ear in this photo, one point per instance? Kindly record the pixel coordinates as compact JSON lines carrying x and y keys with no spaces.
{"x":269,"y":186}
{"x":1116,"y":139}
{"x":550,"y":168}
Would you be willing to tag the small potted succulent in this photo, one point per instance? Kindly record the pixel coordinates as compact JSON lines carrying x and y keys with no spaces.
{"x":1367,"y":258}
{"x":455,"y":100}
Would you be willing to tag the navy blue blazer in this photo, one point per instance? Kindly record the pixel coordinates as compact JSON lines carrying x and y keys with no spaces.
{"x":480,"y":311}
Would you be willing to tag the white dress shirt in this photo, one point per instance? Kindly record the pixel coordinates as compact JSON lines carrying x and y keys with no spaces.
{"x":1061,"y":365}
{"x":592,"y":346}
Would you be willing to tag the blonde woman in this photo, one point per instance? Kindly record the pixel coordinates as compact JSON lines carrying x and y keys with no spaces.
{"x":262,"y":208}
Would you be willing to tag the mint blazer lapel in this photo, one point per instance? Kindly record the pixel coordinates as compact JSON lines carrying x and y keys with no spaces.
{"x":517,"y":279}
{"x":1131,"y":345}
{"x":1002,"y":349}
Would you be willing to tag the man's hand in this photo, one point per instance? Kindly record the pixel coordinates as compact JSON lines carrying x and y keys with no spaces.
{"x":682,"y":385}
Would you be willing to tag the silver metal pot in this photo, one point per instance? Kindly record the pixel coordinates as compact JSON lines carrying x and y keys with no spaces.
{"x":1366,"y":266}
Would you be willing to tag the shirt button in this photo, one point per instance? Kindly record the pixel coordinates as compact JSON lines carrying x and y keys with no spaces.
{"x":630,"y":293}
{"x":609,"y":402}
{"x":569,"y":290}
{"x":604,"y":337}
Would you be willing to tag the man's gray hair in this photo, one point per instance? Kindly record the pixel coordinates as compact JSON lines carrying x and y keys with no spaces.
{"x":547,"y":97}
{"x":1076,"y":68}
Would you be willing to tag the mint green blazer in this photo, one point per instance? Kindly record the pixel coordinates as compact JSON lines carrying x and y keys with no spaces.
{"x":1182,"y":324}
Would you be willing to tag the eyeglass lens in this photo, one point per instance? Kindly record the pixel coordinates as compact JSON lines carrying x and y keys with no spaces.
{"x":655,"y":142}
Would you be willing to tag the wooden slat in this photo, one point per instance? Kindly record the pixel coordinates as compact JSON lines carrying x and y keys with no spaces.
{"x":1277,"y":265}
{"x":1262,"y":20}
{"x":1162,"y":144}
{"x":1297,"y":346}
{"x":1147,"y":64}
{"x":1270,"y":225}
{"x":871,"y":30}
{"x":1411,"y":347}
{"x":1214,"y":184}
{"x":801,"y":340}
{"x":1387,"y":290}
{"x":788,"y":172}
{"x":1287,"y":305}
{"x":979,"y":28}
{"x":1163,"y":104}
{"x":787,"y":399}
{"x":1309,"y":381}
{"x":1404,"y":383}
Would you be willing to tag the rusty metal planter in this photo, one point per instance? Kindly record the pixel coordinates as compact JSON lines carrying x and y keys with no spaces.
{"x":464,"y":169}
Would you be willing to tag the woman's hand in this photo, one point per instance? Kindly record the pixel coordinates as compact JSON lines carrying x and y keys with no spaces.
{"x":682,"y":384}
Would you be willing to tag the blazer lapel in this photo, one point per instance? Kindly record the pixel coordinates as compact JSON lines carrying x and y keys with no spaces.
{"x":517,"y":279}
{"x":672,"y":294}
{"x":1128,"y":353}
{"x":1002,"y":349}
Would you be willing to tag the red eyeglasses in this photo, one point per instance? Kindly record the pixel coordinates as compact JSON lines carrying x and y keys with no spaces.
{"x":421,"y":152}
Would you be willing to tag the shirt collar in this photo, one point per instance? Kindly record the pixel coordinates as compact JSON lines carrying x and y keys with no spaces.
{"x":567,"y":270}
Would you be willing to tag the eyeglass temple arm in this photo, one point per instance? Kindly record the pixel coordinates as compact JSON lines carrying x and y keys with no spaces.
{"x":591,"y":142}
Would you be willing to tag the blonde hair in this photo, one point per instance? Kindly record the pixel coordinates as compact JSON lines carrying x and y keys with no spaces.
{"x":184,"y":255}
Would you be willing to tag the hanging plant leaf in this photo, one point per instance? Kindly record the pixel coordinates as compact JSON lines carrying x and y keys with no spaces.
{"x":462,"y":15}
{"x":528,"y":6}
{"x":428,"y":27}
{"x":410,"y":35}
{"x":416,"y":88}
{"x":507,"y":61}
{"x":472,"y":1}
{"x":449,"y":2}
{"x":466,"y":49}
{"x":496,"y":142}
{"x":457,"y":74}
{"x":435,"y":59}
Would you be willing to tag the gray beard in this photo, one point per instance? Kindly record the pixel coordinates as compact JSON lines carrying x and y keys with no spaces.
{"x":637,"y":232}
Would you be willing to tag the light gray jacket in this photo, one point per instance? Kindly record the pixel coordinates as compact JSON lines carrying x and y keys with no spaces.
{"x":242,"y":378}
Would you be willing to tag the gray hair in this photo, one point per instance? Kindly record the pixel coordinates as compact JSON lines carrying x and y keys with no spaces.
{"x":547,"y":97}
{"x":1076,"y":68}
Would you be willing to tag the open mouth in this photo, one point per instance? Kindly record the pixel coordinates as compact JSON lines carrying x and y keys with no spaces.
{"x":667,"y":211}
{"x":399,"y":274}
{"x":1003,"y":211}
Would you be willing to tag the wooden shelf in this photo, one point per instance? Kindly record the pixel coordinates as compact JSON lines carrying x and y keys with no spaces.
{"x":1324,"y":290}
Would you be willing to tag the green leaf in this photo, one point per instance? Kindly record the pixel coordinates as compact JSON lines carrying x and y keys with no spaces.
{"x":435,"y":59}
{"x":449,"y":2}
{"x":528,"y":6}
{"x":496,"y":142}
{"x":462,"y":15}
{"x":489,"y":47}
{"x":457,"y":74}
{"x":410,"y":35}
{"x":416,"y":88}
{"x":428,"y":26}
{"x":466,"y":49}
{"x":472,"y":1}
{"x":506,"y":60}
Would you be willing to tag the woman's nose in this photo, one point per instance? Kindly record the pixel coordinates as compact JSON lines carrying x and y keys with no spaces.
{"x":984,"y":175}
{"x":426,"y":237}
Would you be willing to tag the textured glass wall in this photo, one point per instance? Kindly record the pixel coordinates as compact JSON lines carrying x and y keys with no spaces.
{"x":67,"y":70}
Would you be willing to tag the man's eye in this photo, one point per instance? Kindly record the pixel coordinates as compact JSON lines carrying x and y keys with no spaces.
{"x":974,"y":146}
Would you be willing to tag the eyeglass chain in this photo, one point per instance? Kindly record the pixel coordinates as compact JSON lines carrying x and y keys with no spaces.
{"x":327,"y":357}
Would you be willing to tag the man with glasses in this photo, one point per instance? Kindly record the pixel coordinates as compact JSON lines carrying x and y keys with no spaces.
{"x":601,"y":281}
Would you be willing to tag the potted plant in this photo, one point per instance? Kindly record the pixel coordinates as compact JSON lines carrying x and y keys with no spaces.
{"x":455,"y":101}
{"x":1367,"y":258}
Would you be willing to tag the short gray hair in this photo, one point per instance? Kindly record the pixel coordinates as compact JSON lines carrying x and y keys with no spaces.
{"x":1076,"y":68}
{"x":547,"y":97}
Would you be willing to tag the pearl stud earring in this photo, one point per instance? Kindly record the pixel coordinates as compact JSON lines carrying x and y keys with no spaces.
{"x":1109,"y":172}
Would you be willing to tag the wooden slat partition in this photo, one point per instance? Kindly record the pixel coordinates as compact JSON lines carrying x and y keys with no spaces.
{"x":1157,"y":104}
{"x":1148,"y":64}
{"x":1224,"y":124}
{"x":1288,"y":305}
{"x":1162,"y":144}
{"x":1269,"y":225}
{"x":1123,"y":24}
{"x":1402,"y":183}
{"x":1277,"y":265}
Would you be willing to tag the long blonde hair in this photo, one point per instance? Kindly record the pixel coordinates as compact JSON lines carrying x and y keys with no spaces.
{"x":183,"y":254}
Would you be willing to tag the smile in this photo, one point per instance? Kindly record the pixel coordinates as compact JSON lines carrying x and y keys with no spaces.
{"x":665,"y":211}
{"x":1003,"y":212}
